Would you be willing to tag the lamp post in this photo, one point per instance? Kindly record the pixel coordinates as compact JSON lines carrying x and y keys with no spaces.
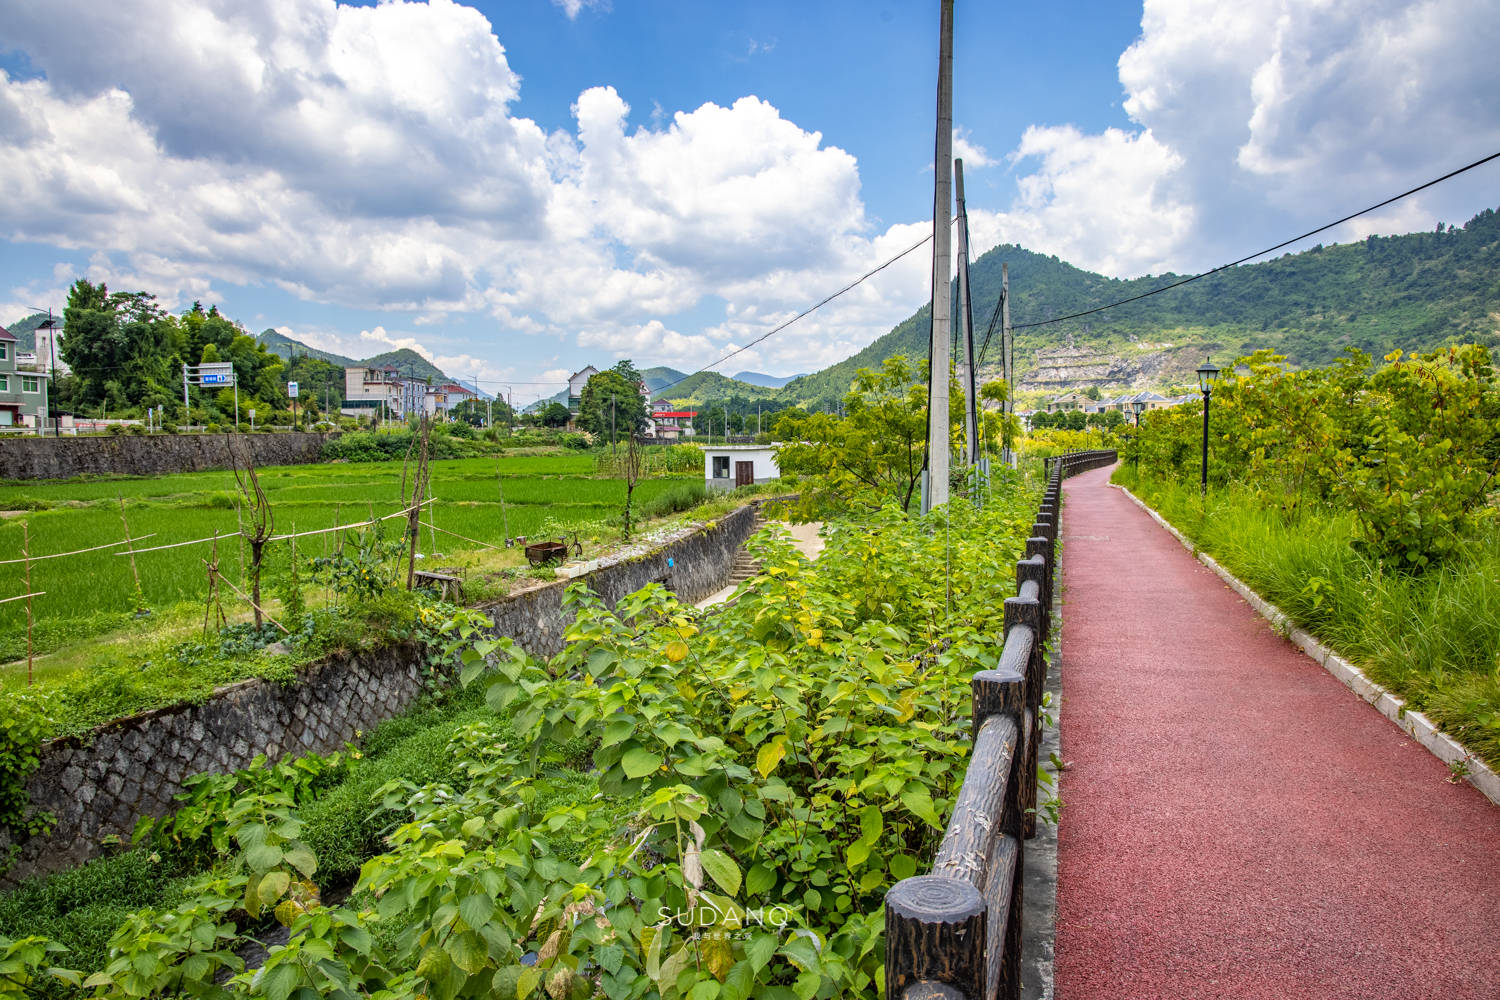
{"x":1206,"y":374}
{"x":1139,"y":406}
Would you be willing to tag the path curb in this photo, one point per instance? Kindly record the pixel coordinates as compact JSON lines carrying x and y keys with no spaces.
{"x":1414,"y":724}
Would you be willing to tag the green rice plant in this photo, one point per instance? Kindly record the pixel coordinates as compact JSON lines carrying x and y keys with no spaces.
{"x":683,"y":496}
{"x":87,"y":594}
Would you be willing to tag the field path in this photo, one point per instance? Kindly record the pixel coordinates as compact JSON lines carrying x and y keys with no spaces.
{"x":1238,"y":824}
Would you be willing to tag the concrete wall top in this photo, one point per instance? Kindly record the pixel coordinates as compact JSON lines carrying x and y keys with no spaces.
{"x":151,"y":455}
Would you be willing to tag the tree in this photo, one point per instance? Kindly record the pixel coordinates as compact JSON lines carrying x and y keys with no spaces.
{"x":554,"y":414}
{"x":873,"y":454}
{"x":612,"y":405}
{"x":123,"y":338}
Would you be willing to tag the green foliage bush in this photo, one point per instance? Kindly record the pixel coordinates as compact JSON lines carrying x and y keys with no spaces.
{"x":1410,"y":447}
{"x":792,"y":754}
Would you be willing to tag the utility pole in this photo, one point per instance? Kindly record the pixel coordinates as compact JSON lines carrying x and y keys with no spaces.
{"x":967,"y":375}
{"x":1007,"y":359}
{"x":942,"y":304}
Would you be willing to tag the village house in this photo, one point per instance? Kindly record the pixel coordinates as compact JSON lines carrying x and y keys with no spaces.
{"x":728,"y":466}
{"x":576,"y":382}
{"x":669,"y":424}
{"x":23,"y":390}
{"x":383,"y":392}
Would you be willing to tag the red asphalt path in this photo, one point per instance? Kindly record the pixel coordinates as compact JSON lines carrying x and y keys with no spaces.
{"x":1237,"y":823}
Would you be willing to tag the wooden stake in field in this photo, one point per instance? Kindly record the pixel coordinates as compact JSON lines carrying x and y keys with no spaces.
{"x":418,"y":494}
{"x":632,"y":476}
{"x":504,"y":518}
{"x":213,"y":603}
{"x":140,"y":596}
{"x":26,"y":555}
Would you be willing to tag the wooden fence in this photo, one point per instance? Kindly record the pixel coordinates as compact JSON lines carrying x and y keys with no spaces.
{"x":956,"y":933}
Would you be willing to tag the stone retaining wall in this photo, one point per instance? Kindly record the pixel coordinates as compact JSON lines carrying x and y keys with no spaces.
{"x":150,"y":455}
{"x":101,"y":785}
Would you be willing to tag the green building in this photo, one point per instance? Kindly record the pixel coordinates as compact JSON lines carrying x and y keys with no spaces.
{"x":23,"y":391}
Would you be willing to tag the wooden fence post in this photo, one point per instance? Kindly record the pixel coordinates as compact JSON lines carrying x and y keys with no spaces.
{"x":935,"y":931}
{"x":1023,"y":611}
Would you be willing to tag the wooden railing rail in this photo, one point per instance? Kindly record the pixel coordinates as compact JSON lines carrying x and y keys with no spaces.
{"x":955,"y":934}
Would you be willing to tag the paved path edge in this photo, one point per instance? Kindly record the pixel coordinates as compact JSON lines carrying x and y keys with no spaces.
{"x":1416,"y":725}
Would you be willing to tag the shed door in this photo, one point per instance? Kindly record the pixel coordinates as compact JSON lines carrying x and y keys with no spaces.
{"x":744,"y":473}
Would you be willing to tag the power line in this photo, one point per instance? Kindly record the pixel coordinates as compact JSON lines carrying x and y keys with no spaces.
{"x":810,"y":309}
{"x":1261,"y":253}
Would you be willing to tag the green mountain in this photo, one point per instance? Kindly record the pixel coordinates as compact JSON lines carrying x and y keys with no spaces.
{"x":761,"y":379}
{"x":407,"y":362}
{"x":660,"y":376}
{"x":1416,"y":292}
{"x":284,"y":346}
{"x":705,"y":387}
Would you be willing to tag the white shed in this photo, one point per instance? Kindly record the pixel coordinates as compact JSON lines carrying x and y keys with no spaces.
{"x":730,"y":465}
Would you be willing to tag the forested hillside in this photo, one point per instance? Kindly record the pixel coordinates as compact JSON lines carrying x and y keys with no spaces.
{"x":1415,"y":291}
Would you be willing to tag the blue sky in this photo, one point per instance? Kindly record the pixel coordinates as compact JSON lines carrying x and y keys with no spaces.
{"x":520,"y":188}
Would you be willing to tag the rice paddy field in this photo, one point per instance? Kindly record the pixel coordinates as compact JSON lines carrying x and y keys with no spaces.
{"x":482,"y":499}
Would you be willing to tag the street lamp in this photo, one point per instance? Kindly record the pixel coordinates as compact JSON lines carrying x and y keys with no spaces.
{"x":1206,"y":374}
{"x":1139,"y":406}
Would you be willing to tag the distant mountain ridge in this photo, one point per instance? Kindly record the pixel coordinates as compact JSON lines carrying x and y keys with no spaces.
{"x":282,"y":345}
{"x":1417,"y":291}
{"x":765,"y":381}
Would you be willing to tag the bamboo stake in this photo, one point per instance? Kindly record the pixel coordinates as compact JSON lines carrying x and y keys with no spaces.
{"x":212,"y":562}
{"x":140,"y":597}
{"x":92,"y":548}
{"x":26,"y":555}
{"x":504,"y":517}
{"x":419,"y":488}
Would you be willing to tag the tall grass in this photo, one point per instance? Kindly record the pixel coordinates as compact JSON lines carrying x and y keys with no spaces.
{"x":1433,"y":638}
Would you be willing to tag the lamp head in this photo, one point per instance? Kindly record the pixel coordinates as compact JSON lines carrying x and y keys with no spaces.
{"x":1207,"y":372}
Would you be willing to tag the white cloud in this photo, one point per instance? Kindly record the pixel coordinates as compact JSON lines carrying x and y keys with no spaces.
{"x":651,"y":339}
{"x":573,"y":8}
{"x":1103,"y":202}
{"x":366,"y":157}
{"x":1256,"y":120}
{"x":974,"y":155}
{"x":369,"y":156}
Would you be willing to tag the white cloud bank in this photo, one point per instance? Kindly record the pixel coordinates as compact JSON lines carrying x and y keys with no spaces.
{"x":1256,"y":121}
{"x":367,"y":156}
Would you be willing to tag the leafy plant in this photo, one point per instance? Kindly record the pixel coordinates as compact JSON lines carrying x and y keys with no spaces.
{"x":22,"y":958}
{"x":362,"y":567}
